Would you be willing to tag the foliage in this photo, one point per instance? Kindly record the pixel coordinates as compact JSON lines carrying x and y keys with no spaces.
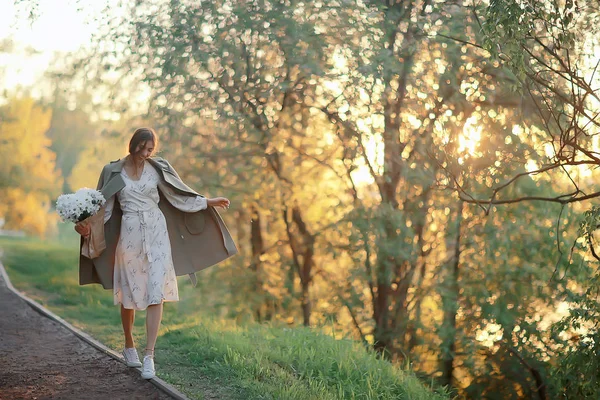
{"x":28,"y":178}
{"x":71,"y":133}
{"x":550,"y":45}
{"x":575,"y":374}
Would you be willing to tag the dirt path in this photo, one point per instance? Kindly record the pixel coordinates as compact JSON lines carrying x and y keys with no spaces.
{"x":40,"y":359}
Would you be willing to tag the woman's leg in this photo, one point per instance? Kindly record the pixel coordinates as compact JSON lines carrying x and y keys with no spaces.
{"x":127,"y":318}
{"x":153,"y":318}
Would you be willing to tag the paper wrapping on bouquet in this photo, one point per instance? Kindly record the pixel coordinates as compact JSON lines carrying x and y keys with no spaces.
{"x":94,"y":244}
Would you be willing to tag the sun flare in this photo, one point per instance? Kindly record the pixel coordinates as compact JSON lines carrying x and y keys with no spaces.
{"x":468,"y":141}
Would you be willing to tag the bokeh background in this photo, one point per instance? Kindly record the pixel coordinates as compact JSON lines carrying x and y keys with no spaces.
{"x":416,"y":175}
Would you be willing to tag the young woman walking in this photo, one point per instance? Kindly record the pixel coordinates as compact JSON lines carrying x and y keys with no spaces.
{"x":155,"y":228}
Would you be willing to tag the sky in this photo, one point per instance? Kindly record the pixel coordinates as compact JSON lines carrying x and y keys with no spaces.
{"x":60,"y":27}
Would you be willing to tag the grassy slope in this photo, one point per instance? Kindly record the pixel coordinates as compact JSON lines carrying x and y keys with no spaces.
{"x":198,"y":352}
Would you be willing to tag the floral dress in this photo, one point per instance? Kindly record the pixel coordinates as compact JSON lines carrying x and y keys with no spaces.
{"x":144,"y":273}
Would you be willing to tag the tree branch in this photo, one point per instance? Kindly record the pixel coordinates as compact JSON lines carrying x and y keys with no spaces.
{"x":541,"y":386}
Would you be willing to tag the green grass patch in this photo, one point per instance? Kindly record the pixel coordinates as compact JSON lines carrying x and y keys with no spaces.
{"x":200,"y":353}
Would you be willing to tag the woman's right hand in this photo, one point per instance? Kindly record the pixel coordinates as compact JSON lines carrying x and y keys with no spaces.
{"x":83,"y":229}
{"x":218,"y":202}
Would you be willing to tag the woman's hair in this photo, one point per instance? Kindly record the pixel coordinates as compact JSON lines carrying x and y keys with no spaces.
{"x":142,"y":135}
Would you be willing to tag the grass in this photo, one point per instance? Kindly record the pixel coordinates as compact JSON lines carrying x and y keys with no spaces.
{"x":203,"y":355}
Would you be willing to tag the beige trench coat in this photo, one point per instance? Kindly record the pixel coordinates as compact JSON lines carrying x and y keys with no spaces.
{"x":198,"y":240}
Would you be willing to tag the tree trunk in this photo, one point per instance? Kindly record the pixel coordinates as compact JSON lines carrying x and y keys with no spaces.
{"x":307,"y":263}
{"x":394,"y":98}
{"x":305,"y":305}
{"x":302,"y":244}
{"x":382,"y":336}
{"x":258,"y":249}
{"x":451,"y":307}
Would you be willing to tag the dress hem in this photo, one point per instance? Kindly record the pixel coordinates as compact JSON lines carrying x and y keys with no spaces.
{"x":143,"y":309}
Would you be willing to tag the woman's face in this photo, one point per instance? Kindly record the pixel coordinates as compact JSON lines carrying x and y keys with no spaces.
{"x":144,"y":150}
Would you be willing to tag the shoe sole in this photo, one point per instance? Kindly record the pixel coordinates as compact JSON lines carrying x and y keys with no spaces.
{"x":148,"y":376}
{"x":133,"y":364}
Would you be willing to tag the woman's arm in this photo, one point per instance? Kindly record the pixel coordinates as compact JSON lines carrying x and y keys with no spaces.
{"x":182,"y":202}
{"x":84,"y":229}
{"x":108,"y":208}
{"x":219,"y":202}
{"x":188,"y":203}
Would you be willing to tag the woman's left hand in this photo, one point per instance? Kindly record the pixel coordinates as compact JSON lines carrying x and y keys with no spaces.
{"x":219,"y":202}
{"x":83,"y":229}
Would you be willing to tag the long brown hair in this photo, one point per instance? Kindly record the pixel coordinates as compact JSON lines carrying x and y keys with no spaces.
{"x":142,"y":135}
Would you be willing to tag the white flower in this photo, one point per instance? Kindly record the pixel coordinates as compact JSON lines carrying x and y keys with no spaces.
{"x":76,"y":207}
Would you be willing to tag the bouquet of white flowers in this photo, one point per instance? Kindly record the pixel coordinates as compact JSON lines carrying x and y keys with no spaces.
{"x":85,"y":207}
{"x":78,"y":206}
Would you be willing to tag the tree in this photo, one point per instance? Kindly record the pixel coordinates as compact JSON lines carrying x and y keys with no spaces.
{"x":71,"y":133}
{"x":550,"y":48}
{"x":28,"y":180}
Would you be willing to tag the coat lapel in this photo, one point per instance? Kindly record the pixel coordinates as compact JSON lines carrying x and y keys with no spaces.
{"x":171,"y":177}
{"x":113,"y":181}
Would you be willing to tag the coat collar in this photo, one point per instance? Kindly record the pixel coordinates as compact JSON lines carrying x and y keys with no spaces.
{"x":116,"y":166}
{"x":114,"y":182}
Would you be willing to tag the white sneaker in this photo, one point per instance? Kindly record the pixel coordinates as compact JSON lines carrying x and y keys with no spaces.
{"x":131,"y":357}
{"x":148,"y":371}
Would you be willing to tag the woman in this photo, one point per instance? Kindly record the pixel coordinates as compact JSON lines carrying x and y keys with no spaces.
{"x":155,"y":228}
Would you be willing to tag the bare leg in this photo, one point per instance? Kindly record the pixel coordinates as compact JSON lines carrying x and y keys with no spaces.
{"x":153,"y":318}
{"x":127,"y":318}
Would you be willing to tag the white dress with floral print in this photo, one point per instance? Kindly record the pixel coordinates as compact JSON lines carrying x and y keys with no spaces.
{"x":144,"y":272}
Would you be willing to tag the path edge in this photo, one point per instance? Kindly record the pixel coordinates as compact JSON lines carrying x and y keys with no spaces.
{"x":159,"y":383}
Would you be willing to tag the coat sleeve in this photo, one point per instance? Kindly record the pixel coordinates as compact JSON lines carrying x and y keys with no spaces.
{"x":101,"y":179}
{"x":108,"y":208}
{"x":182,"y":202}
{"x":110,"y":203}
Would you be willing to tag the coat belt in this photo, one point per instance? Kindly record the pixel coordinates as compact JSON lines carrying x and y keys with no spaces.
{"x":143,"y":216}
